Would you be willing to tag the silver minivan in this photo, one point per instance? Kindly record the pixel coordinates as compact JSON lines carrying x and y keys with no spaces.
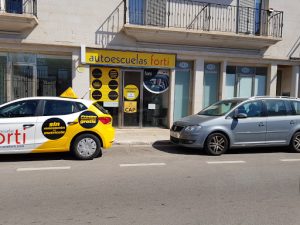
{"x":241,"y":122}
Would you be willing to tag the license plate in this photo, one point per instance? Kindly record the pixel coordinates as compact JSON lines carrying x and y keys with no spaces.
{"x":175,"y":134}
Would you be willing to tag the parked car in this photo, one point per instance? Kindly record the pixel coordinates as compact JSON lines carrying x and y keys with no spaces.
{"x":55,"y":124}
{"x":241,"y":122}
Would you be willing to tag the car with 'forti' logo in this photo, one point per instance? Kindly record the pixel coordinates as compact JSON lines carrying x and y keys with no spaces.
{"x":55,"y":124}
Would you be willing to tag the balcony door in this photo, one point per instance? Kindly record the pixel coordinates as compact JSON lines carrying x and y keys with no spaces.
{"x":148,"y":12}
{"x":14,"y":6}
{"x":137,"y":12}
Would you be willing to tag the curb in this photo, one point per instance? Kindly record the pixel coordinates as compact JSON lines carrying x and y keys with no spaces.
{"x":157,"y":143}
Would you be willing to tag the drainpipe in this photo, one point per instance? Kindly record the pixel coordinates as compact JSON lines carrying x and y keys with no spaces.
{"x":125,"y":10}
{"x":295,"y":81}
{"x":237,"y":16}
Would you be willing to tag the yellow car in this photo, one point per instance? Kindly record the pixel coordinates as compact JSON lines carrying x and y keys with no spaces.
{"x":55,"y":124}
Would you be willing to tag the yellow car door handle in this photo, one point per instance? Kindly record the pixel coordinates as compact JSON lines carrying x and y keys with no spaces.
{"x":72,"y":123}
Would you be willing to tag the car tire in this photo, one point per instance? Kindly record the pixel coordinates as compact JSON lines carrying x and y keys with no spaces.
{"x":295,"y":142}
{"x":86,"y":147}
{"x":216,"y":144}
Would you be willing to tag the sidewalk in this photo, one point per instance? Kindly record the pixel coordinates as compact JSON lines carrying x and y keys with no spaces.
{"x":144,"y":136}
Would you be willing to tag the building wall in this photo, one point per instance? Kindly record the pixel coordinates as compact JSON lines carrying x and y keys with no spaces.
{"x":64,"y":27}
{"x":289,"y":46}
{"x":65,"y":23}
{"x":62,"y":23}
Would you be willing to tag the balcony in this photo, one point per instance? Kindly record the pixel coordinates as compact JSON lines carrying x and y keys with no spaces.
{"x":198,"y":23}
{"x":18,"y":16}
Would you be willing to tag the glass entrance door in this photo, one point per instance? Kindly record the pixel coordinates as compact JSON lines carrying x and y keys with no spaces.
{"x":132,"y":100}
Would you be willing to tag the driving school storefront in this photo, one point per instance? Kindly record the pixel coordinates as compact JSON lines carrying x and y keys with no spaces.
{"x":132,"y":86}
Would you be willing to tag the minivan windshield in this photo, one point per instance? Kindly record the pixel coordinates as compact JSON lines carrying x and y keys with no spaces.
{"x":220,"y":108}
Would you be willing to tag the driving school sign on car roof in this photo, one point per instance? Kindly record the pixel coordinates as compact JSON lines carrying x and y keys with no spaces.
{"x":129,"y":59}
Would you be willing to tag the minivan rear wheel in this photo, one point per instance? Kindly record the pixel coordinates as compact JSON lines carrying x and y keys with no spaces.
{"x":295,"y":142}
{"x":216,"y":144}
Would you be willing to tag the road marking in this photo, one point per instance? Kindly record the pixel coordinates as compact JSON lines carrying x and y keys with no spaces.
{"x":142,"y":164}
{"x":43,"y":168}
{"x":289,"y":160}
{"x":224,"y":162}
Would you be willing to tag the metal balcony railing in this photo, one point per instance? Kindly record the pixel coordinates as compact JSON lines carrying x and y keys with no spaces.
{"x":193,"y":15}
{"x":19,"y":7}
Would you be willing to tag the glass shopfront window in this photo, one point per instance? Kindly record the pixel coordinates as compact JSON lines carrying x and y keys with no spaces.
{"x":3,"y":65}
{"x":155,"y":97}
{"x":211,"y":83}
{"x":54,"y":76}
{"x":243,"y":81}
{"x":26,"y":75}
{"x":230,"y":82}
{"x":183,"y":79}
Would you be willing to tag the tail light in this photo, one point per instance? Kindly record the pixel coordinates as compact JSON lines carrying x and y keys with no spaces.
{"x":104,"y":120}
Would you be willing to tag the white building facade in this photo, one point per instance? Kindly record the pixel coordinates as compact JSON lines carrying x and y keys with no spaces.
{"x":149,"y":62}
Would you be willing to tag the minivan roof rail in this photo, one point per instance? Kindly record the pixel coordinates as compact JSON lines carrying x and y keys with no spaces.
{"x":258,"y":97}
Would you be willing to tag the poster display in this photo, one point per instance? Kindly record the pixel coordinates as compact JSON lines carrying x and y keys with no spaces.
{"x":131,"y":92}
{"x":130,"y":106}
{"x":104,"y":84}
{"x":156,"y":80}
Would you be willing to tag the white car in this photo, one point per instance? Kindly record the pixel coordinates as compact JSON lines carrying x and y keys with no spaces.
{"x":55,"y":124}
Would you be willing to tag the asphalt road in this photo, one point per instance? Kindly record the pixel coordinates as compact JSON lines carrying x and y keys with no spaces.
{"x":158,"y":185}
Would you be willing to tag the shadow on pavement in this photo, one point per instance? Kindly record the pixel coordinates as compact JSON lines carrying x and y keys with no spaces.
{"x":260,"y":150}
{"x":36,"y":157}
{"x":168,"y":147}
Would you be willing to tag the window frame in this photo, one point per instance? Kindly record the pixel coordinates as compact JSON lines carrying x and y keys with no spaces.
{"x":288,"y":107}
{"x":59,"y":100}
{"x":35,"y":114}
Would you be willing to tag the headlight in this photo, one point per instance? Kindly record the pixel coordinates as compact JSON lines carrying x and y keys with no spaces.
{"x":194,"y":128}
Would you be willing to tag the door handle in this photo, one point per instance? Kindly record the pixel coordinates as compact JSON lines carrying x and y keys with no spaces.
{"x":28,"y":125}
{"x":292,"y":122}
{"x":261,"y":124}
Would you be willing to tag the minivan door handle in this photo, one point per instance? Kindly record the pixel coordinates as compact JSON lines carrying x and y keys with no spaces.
{"x":261,"y":124}
{"x":27,"y":125}
{"x":292,"y":122}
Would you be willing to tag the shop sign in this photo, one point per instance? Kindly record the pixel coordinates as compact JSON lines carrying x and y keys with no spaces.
{"x":130,"y":106}
{"x":212,"y":68}
{"x":131,"y":92}
{"x":156,"y":81}
{"x":184,"y":65}
{"x":246,"y":70}
{"x":130,"y":59}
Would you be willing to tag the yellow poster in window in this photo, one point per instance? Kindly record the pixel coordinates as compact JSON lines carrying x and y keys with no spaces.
{"x":130,"y":106}
{"x":131,"y":92}
{"x":104,"y":83}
